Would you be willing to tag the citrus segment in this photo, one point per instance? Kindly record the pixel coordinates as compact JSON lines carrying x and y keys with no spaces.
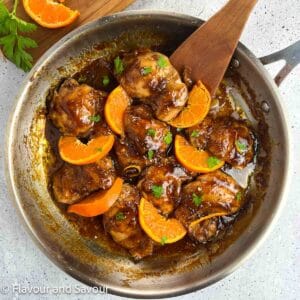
{"x":198,"y":105}
{"x":114,"y":109}
{"x":73,"y":151}
{"x":99,"y":202}
{"x":50,"y":14}
{"x":193,"y":159}
{"x":157,"y":227}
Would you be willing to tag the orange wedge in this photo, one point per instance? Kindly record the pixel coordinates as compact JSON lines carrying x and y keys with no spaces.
{"x":99,"y":202}
{"x":50,"y":14}
{"x":198,"y":105}
{"x":157,"y":227}
{"x":114,"y":109}
{"x":193,"y":159}
{"x":73,"y":151}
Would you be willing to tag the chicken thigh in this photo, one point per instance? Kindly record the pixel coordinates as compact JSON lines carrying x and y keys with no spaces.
{"x":121,"y":222}
{"x":75,"y":108}
{"x":72,"y":183}
{"x":211,"y":195}
{"x":150,"y":77}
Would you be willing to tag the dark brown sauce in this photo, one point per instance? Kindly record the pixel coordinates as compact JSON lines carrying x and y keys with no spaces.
{"x":92,"y":228}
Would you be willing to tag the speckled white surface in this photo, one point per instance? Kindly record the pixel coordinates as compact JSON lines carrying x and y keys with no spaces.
{"x":274,"y":271}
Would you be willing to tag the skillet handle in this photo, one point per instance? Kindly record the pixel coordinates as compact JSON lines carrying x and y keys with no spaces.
{"x":291,"y":55}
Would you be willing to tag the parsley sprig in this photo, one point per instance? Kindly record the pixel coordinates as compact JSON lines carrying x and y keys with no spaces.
{"x":13,"y":44}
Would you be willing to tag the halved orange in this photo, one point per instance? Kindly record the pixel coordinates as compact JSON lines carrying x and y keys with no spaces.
{"x":73,"y":151}
{"x":50,"y":14}
{"x":114,"y":109}
{"x":99,"y":202}
{"x":193,"y":159}
{"x":198,"y":105}
{"x":157,"y":227}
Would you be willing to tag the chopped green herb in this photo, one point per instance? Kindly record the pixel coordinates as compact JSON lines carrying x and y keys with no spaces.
{"x":119,"y":68}
{"x":150,"y":154}
{"x":240,"y":146}
{"x":95,"y":118}
{"x":146,"y":70}
{"x":157,"y":190}
{"x":212,"y":161}
{"x":151,"y":132}
{"x":162,"y":62}
{"x":179,"y":129}
{"x":99,"y":149}
{"x":197,"y":200}
{"x":81,"y":79}
{"x":163,"y":240}
{"x":238,"y":196}
{"x":195,"y":133}
{"x":120,"y":216}
{"x":105,"y":80}
{"x":168,"y":138}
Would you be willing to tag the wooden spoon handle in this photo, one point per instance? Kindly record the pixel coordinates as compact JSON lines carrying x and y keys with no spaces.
{"x":208,"y":51}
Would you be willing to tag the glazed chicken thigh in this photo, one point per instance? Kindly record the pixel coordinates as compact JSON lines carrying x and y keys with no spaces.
{"x":71,"y":183}
{"x":74,"y":107}
{"x":121,"y":222}
{"x":226,"y":138}
{"x":145,"y":132}
{"x":212,"y":193}
{"x":150,"y":77}
{"x":162,"y":183}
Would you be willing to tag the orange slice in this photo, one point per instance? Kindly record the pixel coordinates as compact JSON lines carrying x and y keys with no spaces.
{"x":198,"y":105}
{"x":73,"y":151}
{"x":195,"y":223}
{"x":157,"y":227}
{"x":193,"y":159}
{"x":114,"y":109}
{"x":99,"y":202}
{"x":50,"y":14}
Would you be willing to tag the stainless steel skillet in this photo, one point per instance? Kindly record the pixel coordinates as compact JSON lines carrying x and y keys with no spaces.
{"x":92,"y":262}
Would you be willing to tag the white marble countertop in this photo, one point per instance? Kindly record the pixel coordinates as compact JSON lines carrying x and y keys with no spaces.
{"x":274,"y":271}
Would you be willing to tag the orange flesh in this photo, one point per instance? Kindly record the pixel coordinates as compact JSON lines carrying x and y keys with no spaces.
{"x":193,"y":159}
{"x":99,"y":202}
{"x":114,"y":109}
{"x":73,"y":151}
{"x":158,"y":227}
{"x":197,"y":107}
{"x":49,"y":13}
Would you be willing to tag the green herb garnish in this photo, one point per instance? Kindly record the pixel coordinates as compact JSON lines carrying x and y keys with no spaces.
{"x":95,"y":118}
{"x":197,"y":200}
{"x":99,"y":149}
{"x":119,"y":68}
{"x":13,"y":44}
{"x":179,"y":129}
{"x":120,"y":216}
{"x":81,"y":79}
{"x":195,"y":133}
{"x":146,"y":70}
{"x":150,"y":154}
{"x":212,"y":161}
{"x":168,"y":138}
{"x":163,"y":240}
{"x":157,"y":190}
{"x":105,"y":80}
{"x":162,"y":62}
{"x":240,"y":146}
{"x":151,"y":132}
{"x":238,"y":196}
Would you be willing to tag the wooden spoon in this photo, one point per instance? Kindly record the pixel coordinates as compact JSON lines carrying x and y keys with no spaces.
{"x":208,"y":51}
